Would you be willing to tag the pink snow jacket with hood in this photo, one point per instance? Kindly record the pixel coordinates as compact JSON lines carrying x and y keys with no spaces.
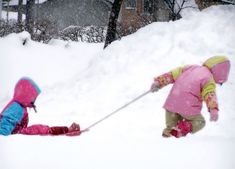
{"x":14,"y":117}
{"x":193,"y":84}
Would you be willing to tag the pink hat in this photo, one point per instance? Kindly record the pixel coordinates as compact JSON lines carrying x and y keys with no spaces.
{"x":219,"y":66}
{"x":26,"y":92}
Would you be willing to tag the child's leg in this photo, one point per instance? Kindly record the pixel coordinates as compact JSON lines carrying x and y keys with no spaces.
{"x":198,"y":122}
{"x":189,"y":124}
{"x":58,"y":130}
{"x":171,"y":121}
{"x":36,"y":129}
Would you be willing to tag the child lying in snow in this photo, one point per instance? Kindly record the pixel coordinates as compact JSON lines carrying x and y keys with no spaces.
{"x":14,"y":117}
{"x":192,"y":85}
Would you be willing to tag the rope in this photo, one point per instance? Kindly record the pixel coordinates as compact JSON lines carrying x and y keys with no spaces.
{"x":117,"y":110}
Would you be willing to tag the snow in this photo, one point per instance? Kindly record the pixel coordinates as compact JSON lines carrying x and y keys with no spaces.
{"x":82,"y":82}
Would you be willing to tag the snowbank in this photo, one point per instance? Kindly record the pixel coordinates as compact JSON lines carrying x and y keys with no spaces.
{"x":81,"y":82}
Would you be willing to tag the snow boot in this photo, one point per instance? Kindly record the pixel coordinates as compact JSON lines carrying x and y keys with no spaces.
{"x":74,"y":130}
{"x":166,"y":135}
{"x":182,"y":129}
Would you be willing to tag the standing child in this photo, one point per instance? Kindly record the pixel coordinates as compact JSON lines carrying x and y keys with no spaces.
{"x":193,"y":84}
{"x":14,"y":117}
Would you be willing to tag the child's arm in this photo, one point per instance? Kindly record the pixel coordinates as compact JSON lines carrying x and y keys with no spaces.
{"x":212,"y":105}
{"x":167,"y":78}
{"x":163,"y":80}
{"x":10,"y":118}
{"x":211,"y":101}
{"x":40,"y":129}
{"x":210,"y":98}
{"x":209,"y":95}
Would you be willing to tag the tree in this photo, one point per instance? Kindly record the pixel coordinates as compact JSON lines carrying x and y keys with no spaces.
{"x":20,"y":13}
{"x":111,"y":32}
{"x":7,"y":1}
{"x":175,"y":8}
{"x":0,"y":9}
{"x":30,"y":16}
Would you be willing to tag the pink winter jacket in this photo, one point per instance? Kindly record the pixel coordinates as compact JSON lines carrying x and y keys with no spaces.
{"x":185,"y":96}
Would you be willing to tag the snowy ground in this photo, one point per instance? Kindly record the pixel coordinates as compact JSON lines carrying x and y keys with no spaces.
{"x":83,"y":83}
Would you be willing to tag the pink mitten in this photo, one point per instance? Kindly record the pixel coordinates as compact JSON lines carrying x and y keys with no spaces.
{"x":214,"y":115}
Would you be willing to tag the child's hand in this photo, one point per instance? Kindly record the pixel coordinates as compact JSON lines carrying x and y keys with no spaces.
{"x":214,"y":115}
{"x":154,"y":87}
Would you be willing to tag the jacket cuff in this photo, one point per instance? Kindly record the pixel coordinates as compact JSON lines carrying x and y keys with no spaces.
{"x":164,"y":79}
{"x":211,"y":101}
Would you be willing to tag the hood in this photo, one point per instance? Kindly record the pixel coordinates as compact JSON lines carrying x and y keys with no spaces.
{"x":26,"y":92}
{"x":219,"y":67}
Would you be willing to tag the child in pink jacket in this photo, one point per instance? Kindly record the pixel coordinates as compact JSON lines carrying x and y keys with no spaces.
{"x":193,"y":84}
{"x":14,"y":117}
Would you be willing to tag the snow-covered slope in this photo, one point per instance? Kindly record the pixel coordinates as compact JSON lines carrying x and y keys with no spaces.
{"x":83,"y":83}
